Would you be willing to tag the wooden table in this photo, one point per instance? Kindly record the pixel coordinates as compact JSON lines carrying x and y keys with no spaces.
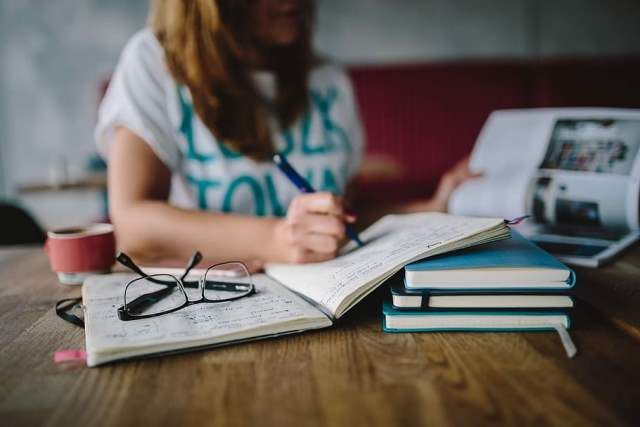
{"x":352,"y":374}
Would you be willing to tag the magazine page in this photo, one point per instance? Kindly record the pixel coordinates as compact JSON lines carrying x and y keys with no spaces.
{"x":586,"y":178}
{"x":509,"y":149}
{"x":565,"y":167}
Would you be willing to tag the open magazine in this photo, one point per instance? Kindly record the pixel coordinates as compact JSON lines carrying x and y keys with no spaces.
{"x":576,"y":171}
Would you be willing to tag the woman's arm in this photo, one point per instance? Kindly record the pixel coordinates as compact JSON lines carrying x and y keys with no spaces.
{"x":153,"y":231}
{"x":451,"y":180}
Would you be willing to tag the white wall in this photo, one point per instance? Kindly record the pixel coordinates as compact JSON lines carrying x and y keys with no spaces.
{"x":407,"y":30}
{"x":53,"y":53}
{"x":587,"y":27}
{"x":3,"y":141}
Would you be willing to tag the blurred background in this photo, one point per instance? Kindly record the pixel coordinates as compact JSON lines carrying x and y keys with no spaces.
{"x":56,"y":55}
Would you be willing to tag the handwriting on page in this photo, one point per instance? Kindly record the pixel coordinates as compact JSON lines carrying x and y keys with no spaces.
{"x":390,"y":250}
{"x":390,"y":244}
{"x":271,"y":304}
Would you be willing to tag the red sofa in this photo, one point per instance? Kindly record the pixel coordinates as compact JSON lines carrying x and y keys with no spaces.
{"x":419,"y":119}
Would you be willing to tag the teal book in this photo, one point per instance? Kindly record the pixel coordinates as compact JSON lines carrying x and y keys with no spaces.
{"x":394,"y":320}
{"x":455,"y":299}
{"x":513,"y":264}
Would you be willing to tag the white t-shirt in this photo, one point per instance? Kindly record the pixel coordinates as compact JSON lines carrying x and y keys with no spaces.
{"x":325,"y":145}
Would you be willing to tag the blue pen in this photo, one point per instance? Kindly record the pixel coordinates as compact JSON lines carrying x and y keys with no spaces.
{"x":305,"y":187}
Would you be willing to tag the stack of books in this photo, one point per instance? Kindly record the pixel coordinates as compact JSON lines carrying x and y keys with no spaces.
{"x":509,"y":285}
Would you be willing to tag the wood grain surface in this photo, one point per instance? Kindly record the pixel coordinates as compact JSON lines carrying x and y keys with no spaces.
{"x":351,"y":374}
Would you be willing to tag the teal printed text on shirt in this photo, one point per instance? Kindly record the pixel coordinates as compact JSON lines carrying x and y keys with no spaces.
{"x":255,"y":188}
{"x":202,"y":188}
{"x":186,"y":129}
{"x":259,"y":194}
{"x":334,"y":134}
{"x":262,"y":190}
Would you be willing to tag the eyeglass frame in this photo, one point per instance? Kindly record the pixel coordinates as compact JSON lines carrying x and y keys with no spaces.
{"x":126,"y":261}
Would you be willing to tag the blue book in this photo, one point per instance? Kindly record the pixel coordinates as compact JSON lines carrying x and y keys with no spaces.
{"x":394,"y":320}
{"x":513,"y":264}
{"x":455,"y":299}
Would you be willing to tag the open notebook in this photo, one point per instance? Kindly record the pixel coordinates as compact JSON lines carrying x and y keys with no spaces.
{"x":289,"y":298}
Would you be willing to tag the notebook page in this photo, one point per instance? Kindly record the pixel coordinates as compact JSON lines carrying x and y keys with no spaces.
{"x":390,"y":243}
{"x":272,"y":310}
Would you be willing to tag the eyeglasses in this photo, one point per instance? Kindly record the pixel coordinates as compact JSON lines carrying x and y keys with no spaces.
{"x":153,"y":295}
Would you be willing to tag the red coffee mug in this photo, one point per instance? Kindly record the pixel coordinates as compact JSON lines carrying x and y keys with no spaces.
{"x":77,"y":252}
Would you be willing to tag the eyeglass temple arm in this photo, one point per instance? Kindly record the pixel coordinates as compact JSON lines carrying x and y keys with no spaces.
{"x":126,"y":260}
{"x":195,"y":259}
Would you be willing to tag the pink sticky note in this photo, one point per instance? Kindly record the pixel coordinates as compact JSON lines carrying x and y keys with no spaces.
{"x":63,"y":356}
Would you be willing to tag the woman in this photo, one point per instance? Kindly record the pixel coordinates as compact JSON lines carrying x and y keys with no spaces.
{"x":198,"y":104}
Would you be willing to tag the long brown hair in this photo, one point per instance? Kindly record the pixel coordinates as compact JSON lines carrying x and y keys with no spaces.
{"x":205,"y":42}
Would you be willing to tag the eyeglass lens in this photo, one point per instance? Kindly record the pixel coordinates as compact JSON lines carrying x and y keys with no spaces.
{"x":225,"y":281}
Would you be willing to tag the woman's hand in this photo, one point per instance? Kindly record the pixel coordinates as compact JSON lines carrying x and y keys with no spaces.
{"x":451,"y":180}
{"x":313,"y":229}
